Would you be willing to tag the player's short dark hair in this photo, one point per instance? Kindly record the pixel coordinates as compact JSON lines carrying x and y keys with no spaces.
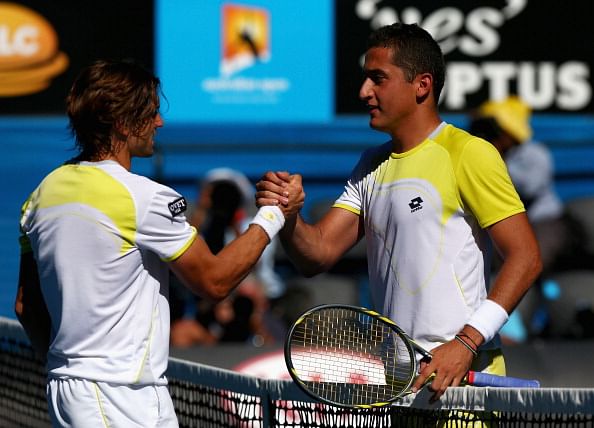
{"x":108,"y":96}
{"x":414,"y":51}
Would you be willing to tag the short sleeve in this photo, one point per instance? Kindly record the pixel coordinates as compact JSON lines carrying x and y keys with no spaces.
{"x":485,"y":185}
{"x":163,"y":228}
{"x":351,"y":198}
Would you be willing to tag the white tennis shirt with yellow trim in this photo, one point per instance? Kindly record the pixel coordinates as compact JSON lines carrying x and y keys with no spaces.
{"x":101,"y":236}
{"x":423,"y":212}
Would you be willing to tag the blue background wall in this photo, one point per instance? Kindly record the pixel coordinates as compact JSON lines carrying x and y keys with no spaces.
{"x":318,"y":128}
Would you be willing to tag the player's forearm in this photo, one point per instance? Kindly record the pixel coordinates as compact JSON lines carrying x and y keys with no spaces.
{"x":520,"y":268}
{"x":231,"y":265}
{"x":515,"y":241}
{"x":214,"y":276}
{"x":304,"y":246}
{"x":238,"y":258}
{"x":515,"y":277}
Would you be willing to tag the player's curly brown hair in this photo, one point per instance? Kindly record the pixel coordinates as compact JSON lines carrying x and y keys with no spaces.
{"x":106,"y":98}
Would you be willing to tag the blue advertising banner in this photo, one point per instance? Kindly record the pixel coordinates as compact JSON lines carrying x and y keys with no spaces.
{"x":254,"y":61}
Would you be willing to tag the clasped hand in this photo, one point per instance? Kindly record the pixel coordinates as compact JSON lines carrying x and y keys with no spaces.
{"x":282,"y":189}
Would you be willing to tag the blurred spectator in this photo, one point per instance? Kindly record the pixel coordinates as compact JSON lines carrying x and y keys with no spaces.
{"x":506,"y":124}
{"x":222,"y":211}
{"x":224,"y":191}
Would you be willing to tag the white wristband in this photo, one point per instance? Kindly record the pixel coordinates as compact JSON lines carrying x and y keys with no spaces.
{"x":488,"y":319}
{"x":270,"y":218}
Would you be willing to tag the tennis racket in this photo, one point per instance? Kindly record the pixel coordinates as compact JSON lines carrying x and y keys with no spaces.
{"x":354,"y":357}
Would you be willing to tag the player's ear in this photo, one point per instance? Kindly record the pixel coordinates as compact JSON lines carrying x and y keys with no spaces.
{"x":424,"y":84}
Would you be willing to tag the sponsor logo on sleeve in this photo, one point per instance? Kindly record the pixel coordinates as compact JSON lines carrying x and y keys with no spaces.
{"x":178,"y":206}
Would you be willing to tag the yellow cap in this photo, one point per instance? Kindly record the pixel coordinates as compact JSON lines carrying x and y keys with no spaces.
{"x":512,"y":115}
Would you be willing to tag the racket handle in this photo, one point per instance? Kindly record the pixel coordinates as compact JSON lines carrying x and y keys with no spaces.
{"x":485,"y":379}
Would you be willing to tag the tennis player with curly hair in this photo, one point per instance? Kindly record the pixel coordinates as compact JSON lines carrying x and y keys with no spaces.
{"x":97,"y":244}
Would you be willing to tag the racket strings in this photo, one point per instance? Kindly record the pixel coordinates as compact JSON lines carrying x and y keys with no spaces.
{"x":350,"y":357}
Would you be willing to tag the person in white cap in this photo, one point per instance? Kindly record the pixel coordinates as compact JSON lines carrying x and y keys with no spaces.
{"x":506,"y":124}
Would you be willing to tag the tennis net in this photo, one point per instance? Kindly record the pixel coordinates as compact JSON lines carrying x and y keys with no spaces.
{"x":205,"y":396}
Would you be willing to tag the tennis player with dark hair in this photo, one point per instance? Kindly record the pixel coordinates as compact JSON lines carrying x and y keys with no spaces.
{"x":426,"y":202}
{"x":97,"y":245}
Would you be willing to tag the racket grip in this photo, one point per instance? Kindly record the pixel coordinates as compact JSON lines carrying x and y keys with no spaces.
{"x":485,"y":379}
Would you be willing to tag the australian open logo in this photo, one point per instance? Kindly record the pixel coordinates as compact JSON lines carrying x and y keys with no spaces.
{"x":245,"y":43}
{"x":245,"y":37}
{"x":415,"y":204}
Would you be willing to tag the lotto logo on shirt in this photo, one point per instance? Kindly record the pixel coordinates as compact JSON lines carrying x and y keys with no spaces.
{"x":415,"y":204}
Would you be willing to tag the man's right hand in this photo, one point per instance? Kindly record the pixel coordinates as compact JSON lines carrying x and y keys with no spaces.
{"x":282,"y":189}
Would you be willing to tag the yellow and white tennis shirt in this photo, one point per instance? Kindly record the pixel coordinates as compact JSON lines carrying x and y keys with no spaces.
{"x":424,"y":211}
{"x":101,"y":236}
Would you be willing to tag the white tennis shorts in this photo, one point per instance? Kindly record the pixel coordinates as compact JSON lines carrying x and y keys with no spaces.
{"x":80,"y":403}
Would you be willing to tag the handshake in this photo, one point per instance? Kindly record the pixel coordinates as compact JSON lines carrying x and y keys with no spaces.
{"x":279,"y":196}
